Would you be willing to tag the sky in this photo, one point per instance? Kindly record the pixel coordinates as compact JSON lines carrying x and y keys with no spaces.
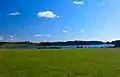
{"x":59,"y":20}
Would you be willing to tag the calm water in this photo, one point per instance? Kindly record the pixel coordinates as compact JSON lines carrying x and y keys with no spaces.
{"x":64,"y":47}
{"x":85,"y":46}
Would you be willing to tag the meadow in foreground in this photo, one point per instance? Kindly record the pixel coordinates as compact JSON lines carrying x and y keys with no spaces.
{"x":60,"y":63}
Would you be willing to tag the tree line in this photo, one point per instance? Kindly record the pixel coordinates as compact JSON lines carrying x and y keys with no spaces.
{"x":117,"y":43}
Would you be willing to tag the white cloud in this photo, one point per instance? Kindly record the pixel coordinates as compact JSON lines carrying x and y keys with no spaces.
{"x":48,"y":35}
{"x":82,"y":31}
{"x":47,"y":14}
{"x":64,"y":31}
{"x":78,"y":2}
{"x":1,"y":37}
{"x":38,"y":35}
{"x":14,"y":14}
{"x":11,"y":36}
{"x":58,"y":16}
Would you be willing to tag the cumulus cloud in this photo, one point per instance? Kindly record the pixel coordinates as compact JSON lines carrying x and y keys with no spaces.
{"x":64,"y":31}
{"x":78,"y":2}
{"x":14,"y":14}
{"x":82,"y":31}
{"x":47,"y":14}
{"x":38,"y":35}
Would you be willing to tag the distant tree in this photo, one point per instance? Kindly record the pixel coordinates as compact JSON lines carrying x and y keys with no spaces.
{"x":70,"y":43}
{"x":117,"y":43}
{"x":108,"y":42}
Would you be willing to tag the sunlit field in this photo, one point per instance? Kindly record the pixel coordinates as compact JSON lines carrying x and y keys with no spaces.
{"x":60,"y":63}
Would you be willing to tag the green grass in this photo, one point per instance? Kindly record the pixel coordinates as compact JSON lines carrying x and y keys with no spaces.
{"x":60,"y":63}
{"x":17,"y":45}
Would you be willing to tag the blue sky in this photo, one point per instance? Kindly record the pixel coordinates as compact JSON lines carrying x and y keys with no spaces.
{"x":59,"y":20}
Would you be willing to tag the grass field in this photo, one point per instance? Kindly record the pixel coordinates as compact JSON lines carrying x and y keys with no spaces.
{"x":60,"y":63}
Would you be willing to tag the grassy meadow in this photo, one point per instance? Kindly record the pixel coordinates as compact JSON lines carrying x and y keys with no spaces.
{"x":60,"y":63}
